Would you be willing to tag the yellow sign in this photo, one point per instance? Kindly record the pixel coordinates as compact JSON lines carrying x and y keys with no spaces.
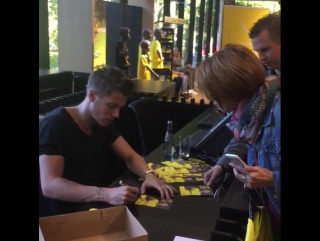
{"x":237,"y":22}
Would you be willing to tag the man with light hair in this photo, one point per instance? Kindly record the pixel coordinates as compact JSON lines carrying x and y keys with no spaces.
{"x":265,"y":37}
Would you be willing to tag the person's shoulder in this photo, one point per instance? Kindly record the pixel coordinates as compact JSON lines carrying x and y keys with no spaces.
{"x":274,"y":79}
{"x":58,"y":116}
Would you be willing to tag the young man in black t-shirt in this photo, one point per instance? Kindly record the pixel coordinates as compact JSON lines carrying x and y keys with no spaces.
{"x":73,"y":149}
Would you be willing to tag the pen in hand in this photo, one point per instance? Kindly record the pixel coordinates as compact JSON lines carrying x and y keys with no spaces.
{"x":121,"y":182}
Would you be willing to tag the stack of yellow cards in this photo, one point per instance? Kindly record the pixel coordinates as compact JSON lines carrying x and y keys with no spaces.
{"x":196,"y":191}
{"x":180,"y":171}
{"x":153,"y":202}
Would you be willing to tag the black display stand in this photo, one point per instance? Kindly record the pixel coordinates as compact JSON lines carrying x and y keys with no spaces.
{"x":167,"y":49}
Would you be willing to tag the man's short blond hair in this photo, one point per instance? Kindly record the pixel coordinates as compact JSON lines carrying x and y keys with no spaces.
{"x":271,"y":23}
{"x":233,"y":73}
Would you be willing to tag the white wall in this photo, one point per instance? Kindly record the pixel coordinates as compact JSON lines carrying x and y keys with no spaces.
{"x":75,"y":35}
{"x":147,"y":12}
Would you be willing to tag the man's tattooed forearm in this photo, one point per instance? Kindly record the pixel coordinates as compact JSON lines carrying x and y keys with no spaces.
{"x":100,"y":193}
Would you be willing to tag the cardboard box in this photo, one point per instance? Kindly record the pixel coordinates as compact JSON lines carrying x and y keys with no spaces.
{"x":109,"y":224}
{"x":178,"y":238}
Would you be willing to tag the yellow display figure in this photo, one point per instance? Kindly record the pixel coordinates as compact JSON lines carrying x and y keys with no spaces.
{"x":145,"y":71}
{"x":156,"y":51}
{"x":146,"y":35}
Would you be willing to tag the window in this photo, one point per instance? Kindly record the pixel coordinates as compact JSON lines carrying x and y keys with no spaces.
{"x":158,"y":13}
{"x":53,"y":32}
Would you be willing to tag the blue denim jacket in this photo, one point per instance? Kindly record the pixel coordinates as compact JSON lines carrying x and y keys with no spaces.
{"x":268,"y":148}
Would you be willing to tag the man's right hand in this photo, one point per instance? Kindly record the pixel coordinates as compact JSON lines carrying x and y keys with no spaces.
{"x":212,"y":176}
{"x":122,"y":195}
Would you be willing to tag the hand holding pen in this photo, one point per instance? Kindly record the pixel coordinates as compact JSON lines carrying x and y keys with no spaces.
{"x":122,"y":195}
{"x":122,"y":183}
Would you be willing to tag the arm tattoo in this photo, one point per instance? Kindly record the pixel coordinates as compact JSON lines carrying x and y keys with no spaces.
{"x":100,"y":193}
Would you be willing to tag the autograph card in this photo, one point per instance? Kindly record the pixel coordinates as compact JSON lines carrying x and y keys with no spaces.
{"x":196,"y":191}
{"x":153,"y":202}
{"x":180,"y":171}
{"x":179,"y":179}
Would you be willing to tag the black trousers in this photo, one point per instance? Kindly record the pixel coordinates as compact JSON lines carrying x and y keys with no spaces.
{"x":178,"y":81}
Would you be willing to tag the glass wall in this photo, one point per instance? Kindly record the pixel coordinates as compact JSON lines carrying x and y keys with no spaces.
{"x":99,"y":27}
{"x":53,"y":32}
{"x":158,"y":13}
{"x":100,"y":35}
{"x":174,"y":12}
{"x":196,"y":34}
{"x":100,"y":31}
{"x":185,"y":33}
{"x":204,"y":31}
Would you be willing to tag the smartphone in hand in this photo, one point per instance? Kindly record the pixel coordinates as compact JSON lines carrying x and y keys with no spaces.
{"x":236,"y":159}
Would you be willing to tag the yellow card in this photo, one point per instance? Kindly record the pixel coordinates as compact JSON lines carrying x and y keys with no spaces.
{"x":199,"y":179}
{"x":153,"y":202}
{"x":183,"y":170}
{"x":196,"y":191}
{"x":192,"y":174}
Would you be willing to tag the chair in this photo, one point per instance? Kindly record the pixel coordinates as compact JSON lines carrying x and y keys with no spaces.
{"x":152,"y":116}
{"x":151,"y":121}
{"x":128,"y":126}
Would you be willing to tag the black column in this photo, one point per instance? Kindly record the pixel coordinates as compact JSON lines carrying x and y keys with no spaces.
{"x":44,"y":60}
{"x":209,"y":26}
{"x":216,"y":25}
{"x":180,"y":27}
{"x":166,"y":12}
{"x":200,"y":34}
{"x":191,"y":30}
{"x":166,"y":8}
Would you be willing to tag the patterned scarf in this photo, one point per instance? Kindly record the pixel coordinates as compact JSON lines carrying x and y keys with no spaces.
{"x":236,"y":115}
{"x":249,"y":114}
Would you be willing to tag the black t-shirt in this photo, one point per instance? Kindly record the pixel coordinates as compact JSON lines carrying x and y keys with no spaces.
{"x":85,"y":157}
